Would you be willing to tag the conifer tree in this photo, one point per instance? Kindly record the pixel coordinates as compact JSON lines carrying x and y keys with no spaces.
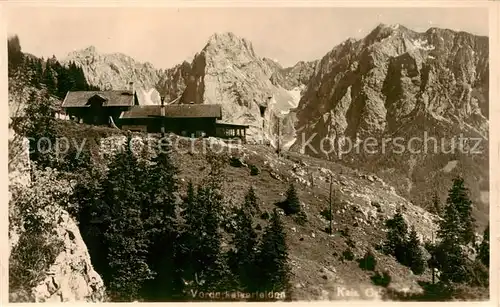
{"x":162,"y":185}
{"x":273,"y":270}
{"x":49,"y":78}
{"x":414,"y":253}
{"x":456,"y":230}
{"x":449,"y":255}
{"x":243,"y":257}
{"x":484,"y":248}
{"x":292,"y":200}
{"x":159,"y":215}
{"x":189,"y":241}
{"x":188,"y":205}
{"x":213,"y":266}
{"x":251,"y":202}
{"x":185,"y":243}
{"x":31,"y":70}
{"x":200,"y":257}
{"x":459,"y":198}
{"x":14,"y":53}
{"x":39,"y":126}
{"x":80,"y":81}
{"x":368,"y":262}
{"x":124,"y":234}
{"x":436,"y":205}
{"x":65,"y":82}
{"x":38,"y":73}
{"x":397,"y":237}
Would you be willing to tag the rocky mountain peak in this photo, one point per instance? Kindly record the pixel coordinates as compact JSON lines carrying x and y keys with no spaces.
{"x":228,"y":41}
{"x":394,"y":26}
{"x":390,"y":83}
{"x":252,"y":90}
{"x":385,"y":31}
{"x":90,"y":49}
{"x":115,"y":71}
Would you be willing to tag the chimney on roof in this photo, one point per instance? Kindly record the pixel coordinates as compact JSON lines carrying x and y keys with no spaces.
{"x":131,"y":86}
{"x":162,"y":110}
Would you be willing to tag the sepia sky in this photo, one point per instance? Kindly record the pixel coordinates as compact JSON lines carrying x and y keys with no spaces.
{"x":167,"y":36}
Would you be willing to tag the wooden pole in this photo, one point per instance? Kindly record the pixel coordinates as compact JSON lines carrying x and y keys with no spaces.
{"x":278,"y":142}
{"x":162,"y":116}
{"x":432,"y":260}
{"x":331,"y":213}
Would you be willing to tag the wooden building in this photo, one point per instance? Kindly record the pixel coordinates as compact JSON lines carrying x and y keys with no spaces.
{"x":98,"y":107}
{"x":122,"y":109}
{"x":192,"y":120}
{"x":181,"y":119}
{"x":226,"y":130}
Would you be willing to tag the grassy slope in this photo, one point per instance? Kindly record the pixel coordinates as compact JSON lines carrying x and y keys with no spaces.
{"x":316,"y":258}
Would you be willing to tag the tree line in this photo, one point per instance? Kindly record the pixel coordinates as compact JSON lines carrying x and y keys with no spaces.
{"x":49,"y":74}
{"x":150,"y":241}
{"x":456,"y":258}
{"x":149,"y":246}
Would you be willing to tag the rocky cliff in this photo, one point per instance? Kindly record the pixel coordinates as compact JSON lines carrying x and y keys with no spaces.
{"x":250,"y":89}
{"x":116,"y":71}
{"x":70,"y":276}
{"x":397,"y":83}
{"x":295,"y":77}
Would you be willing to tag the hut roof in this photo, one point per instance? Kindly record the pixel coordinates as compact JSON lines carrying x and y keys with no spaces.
{"x":79,"y":99}
{"x":175,"y":111}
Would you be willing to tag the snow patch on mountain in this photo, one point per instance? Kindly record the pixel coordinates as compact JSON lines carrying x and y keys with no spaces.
{"x":450,"y":166}
{"x":296,"y":95}
{"x":423,"y":44}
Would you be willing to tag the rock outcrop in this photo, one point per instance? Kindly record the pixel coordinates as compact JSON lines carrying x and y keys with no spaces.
{"x":295,"y":77}
{"x":397,"y":83}
{"x":229,"y":72}
{"x":116,"y":71}
{"x":71,"y":278}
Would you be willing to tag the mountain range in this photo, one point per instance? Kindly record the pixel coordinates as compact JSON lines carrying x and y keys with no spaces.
{"x":252,"y":90}
{"x":393,"y":83}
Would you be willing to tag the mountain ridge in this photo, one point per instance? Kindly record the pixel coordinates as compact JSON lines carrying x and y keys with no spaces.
{"x":385,"y":85}
{"x":379,"y":85}
{"x":392,"y":83}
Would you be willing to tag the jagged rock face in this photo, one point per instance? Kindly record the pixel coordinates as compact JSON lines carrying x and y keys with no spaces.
{"x":71,"y":278}
{"x":252,"y":90}
{"x":172,"y":82}
{"x":296,"y":76}
{"x":116,"y":71}
{"x":374,"y":83}
{"x":228,"y":72}
{"x":399,"y":83}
